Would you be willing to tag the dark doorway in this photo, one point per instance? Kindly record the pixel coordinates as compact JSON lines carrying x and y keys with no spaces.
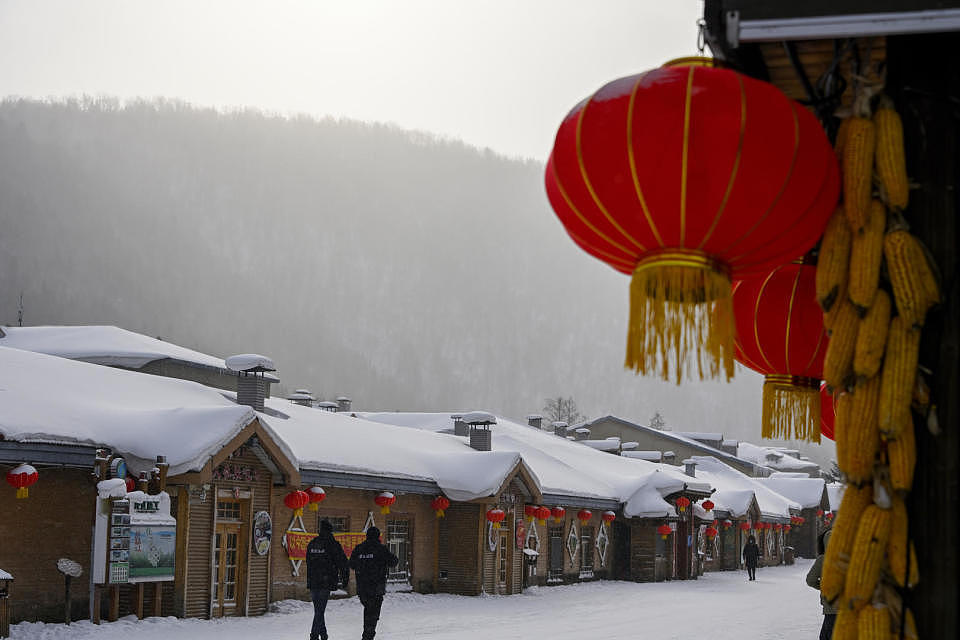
{"x":620,"y":563}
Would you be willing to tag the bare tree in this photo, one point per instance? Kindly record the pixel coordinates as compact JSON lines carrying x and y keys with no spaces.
{"x":657,"y":421}
{"x":562,"y":409}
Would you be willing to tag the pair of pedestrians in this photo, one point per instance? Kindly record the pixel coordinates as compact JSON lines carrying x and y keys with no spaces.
{"x":328,"y":569}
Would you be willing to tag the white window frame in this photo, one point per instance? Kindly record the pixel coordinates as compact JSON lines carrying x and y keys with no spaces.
{"x":573,"y":542}
{"x":601,"y":543}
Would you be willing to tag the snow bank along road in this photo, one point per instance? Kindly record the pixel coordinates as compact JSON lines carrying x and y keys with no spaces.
{"x":720,"y":605}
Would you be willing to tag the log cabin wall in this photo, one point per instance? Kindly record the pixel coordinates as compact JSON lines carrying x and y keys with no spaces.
{"x":458,"y":550}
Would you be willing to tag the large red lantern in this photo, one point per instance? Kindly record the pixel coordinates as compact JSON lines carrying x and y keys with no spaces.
{"x":384,"y":500}
{"x":440,"y":504}
{"x":608,"y":517}
{"x":727,"y":524}
{"x":496,"y":516}
{"x":758,"y":526}
{"x":682,"y":503}
{"x":786,"y":528}
{"x":711,"y":532}
{"x":530,"y":511}
{"x":558,"y":513}
{"x":542,"y":514}
{"x":780,"y":334}
{"x":664,"y":530}
{"x":22,"y":477}
{"x":584,"y":516}
{"x":317,"y":495}
{"x":687,"y":177}
{"x":707,"y":505}
{"x":828,"y":412}
{"x":296,"y":500}
{"x":744,"y":526}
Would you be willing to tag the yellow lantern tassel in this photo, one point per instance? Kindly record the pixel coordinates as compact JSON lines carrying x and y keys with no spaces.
{"x":681,"y":316}
{"x":298,"y":512}
{"x":314,"y":506}
{"x":791,"y":408}
{"x":385,"y":509}
{"x":496,"y":525}
{"x":22,"y":492}
{"x":440,"y":513}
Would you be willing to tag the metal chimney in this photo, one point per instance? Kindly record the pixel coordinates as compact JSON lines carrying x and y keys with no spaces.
{"x":559,"y":428}
{"x":582,"y":433}
{"x":460,"y":427}
{"x":251,"y":383}
{"x":303,"y":397}
{"x":343,"y":404}
{"x":535,"y":420}
{"x":690,"y":468}
{"x":481,"y":436}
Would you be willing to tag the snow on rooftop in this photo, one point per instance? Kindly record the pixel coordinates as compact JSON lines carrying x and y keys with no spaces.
{"x":602,"y":445}
{"x":835,"y":494}
{"x":727,"y":479}
{"x":780,"y":462}
{"x":5,"y":576}
{"x":652,"y":456}
{"x":300,"y":396}
{"x":789,"y":474}
{"x":479,"y":417}
{"x":534,"y":416}
{"x":250,"y":362}
{"x":701,"y":435}
{"x":139,"y":416}
{"x":808,"y":492}
{"x":558,"y":423}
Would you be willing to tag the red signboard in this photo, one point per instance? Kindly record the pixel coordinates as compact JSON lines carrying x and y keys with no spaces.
{"x":297,"y":542}
{"x":349,"y":539}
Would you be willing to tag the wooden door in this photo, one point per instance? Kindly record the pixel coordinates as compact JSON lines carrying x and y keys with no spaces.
{"x":620,"y":564}
{"x":228,"y":588}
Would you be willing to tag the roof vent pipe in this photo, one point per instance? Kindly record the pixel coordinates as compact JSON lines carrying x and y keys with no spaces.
{"x":343,"y":404}
{"x":460,"y":427}
{"x":481,"y":436}
{"x":535,"y":420}
{"x":251,"y":383}
{"x":690,"y":468}
{"x":559,"y":428}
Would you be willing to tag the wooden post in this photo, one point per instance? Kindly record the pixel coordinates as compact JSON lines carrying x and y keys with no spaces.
{"x":95,"y":619}
{"x":138,"y":600}
{"x":114,"y":613}
{"x":157,"y":598}
{"x":66,"y":598}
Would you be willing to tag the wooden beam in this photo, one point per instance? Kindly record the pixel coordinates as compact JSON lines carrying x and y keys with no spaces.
{"x":138,"y":600}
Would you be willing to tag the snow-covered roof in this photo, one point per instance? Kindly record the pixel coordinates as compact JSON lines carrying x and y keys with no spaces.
{"x":727,"y":479}
{"x":534,"y":416}
{"x":136,"y":415}
{"x":652,"y":456}
{"x":5,"y":576}
{"x":566,"y":467}
{"x":250,"y":362}
{"x":700,"y":435}
{"x":479,"y":417}
{"x":327,"y":404}
{"x":835,"y":494}
{"x":300,"y":396}
{"x":602,"y":445}
{"x":773,"y":458}
{"x":808,"y":492}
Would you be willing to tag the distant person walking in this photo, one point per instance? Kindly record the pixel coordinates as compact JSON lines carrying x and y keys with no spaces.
{"x":327,"y":570}
{"x":813,"y":579}
{"x":751,"y":555}
{"x":371,"y":560}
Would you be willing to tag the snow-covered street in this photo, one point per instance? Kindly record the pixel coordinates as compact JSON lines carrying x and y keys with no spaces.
{"x":779,"y":605}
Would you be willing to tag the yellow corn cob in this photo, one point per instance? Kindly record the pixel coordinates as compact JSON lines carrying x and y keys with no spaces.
{"x":902,"y":458}
{"x":833,"y":261}
{"x":872,"y":337}
{"x":863,"y":438}
{"x":838,"y":361}
{"x":846,"y":626}
{"x":866,"y":558}
{"x":858,"y":148}
{"x":897,"y":377}
{"x":873,"y":623}
{"x":837,"y":556}
{"x":890,"y":160}
{"x":898,"y":544}
{"x":914,"y":286}
{"x":841,"y":138}
{"x":910,"y":626}
{"x":841,"y":427}
{"x":866,"y":254}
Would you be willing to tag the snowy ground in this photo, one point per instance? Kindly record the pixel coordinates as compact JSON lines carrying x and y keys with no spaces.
{"x":778,"y":605}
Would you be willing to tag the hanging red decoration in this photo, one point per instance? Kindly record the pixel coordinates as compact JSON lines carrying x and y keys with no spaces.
{"x":682,"y":503}
{"x":664,"y":530}
{"x":21,"y":478}
{"x":542,"y":514}
{"x":776,"y":527}
{"x":828,"y":412}
{"x":296,"y":500}
{"x":707,"y":505}
{"x":744,"y":526}
{"x":757,"y":526}
{"x":558,"y":513}
{"x":608,"y":517}
{"x":716,"y":523}
{"x":440,"y":504}
{"x":130,"y":483}
{"x":384,"y":500}
{"x":496,"y":516}
{"x":317,"y":495}
{"x":664,"y":177}
{"x":584,"y":516}
{"x":786,"y":528}
{"x":530,"y":512}
{"x":711,"y":532}
{"x":727,"y":524}
{"x":780,"y":334}
{"x":819,"y":513}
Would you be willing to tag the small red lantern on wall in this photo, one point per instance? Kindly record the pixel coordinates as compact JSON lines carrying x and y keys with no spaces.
{"x":130,"y":483}
{"x":542,"y":514}
{"x":317,"y":495}
{"x":758,"y":526}
{"x":776,"y":527}
{"x":744,"y":526}
{"x":530,"y":512}
{"x":22,"y":477}
{"x":682,"y":503}
{"x":707,"y":505}
{"x":558,"y":513}
{"x":384,"y":500}
{"x":440,"y":505}
{"x":819,"y":513}
{"x":296,"y":500}
{"x":664,"y":530}
{"x":786,"y":528}
{"x":727,"y":524}
{"x":584,"y":516}
{"x":608,"y":517}
{"x":496,"y":516}
{"x":711,"y":532}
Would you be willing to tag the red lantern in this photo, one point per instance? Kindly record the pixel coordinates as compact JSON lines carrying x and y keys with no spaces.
{"x":296,"y":500}
{"x":780,"y":334}
{"x":711,"y":532}
{"x":384,"y":500}
{"x":530,"y":511}
{"x":786,"y":528}
{"x":317,"y":495}
{"x":558,"y":513}
{"x":664,"y":530}
{"x":496,"y":516}
{"x":683,"y":503}
{"x":828,"y":412}
{"x":608,"y":517}
{"x":542,"y":514}
{"x":663,"y":176}
{"x":727,"y":524}
{"x":819,"y":513}
{"x":716,"y":523}
{"x":757,"y":526}
{"x":708,"y":505}
{"x":744,"y":526}
{"x":22,"y":477}
{"x":584,"y":516}
{"x":440,"y":504}
{"x":776,"y":527}
{"x":130,"y":483}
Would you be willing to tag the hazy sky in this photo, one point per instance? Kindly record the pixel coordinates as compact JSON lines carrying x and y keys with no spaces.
{"x":495,"y":73}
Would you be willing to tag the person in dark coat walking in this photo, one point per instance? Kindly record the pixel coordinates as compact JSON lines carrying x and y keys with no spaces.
{"x":327,"y":570}
{"x":371,"y":560}
{"x":751,"y":554}
{"x":813,"y":579}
